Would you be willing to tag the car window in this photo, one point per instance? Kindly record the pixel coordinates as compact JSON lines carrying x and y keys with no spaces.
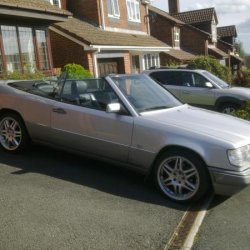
{"x":144,"y":94}
{"x":89,"y":93}
{"x":199,"y":81}
{"x":216,"y":80}
{"x":36,"y":87}
{"x":187,"y":79}
{"x":167,"y":77}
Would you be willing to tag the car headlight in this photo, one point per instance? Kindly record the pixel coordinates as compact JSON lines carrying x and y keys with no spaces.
{"x":240,"y":156}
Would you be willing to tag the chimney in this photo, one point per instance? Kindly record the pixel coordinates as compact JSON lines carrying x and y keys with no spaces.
{"x":173,"y":6}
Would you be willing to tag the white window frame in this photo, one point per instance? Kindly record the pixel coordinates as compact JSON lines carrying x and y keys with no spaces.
{"x":52,"y":2}
{"x":151,"y":60}
{"x":133,"y":10}
{"x":114,"y":4}
{"x":176,"y":36}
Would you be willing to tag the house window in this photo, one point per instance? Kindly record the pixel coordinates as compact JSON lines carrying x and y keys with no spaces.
{"x":11,"y":50}
{"x":176,"y":37}
{"x":18,"y":51}
{"x":133,"y":9}
{"x":151,"y":60}
{"x":55,"y":2}
{"x":42,"y":49}
{"x":135,"y":64}
{"x":113,"y":8}
{"x":27,"y":49}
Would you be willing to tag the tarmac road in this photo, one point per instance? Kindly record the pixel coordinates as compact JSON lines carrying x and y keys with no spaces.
{"x":54,"y":200}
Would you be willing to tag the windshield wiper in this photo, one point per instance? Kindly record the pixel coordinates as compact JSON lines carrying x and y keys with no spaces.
{"x":154,"y":108}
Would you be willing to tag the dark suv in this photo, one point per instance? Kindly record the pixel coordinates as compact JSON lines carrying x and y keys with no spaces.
{"x":201,"y":88}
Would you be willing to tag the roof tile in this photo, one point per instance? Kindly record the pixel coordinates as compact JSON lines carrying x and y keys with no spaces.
{"x":165,"y":14}
{"x":227,"y":31}
{"x":197,"y":16}
{"x":93,"y":35}
{"x":181,"y":54}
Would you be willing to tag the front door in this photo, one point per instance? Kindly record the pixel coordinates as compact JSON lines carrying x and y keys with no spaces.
{"x":84,"y":125}
{"x":195,"y":90}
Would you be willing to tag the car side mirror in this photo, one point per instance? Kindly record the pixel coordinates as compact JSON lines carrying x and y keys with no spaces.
{"x":113,"y":108}
{"x":209,"y":85}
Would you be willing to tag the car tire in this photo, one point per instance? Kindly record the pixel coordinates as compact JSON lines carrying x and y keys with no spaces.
{"x":228,"y":108}
{"x":181,"y":176}
{"x":13,"y":134}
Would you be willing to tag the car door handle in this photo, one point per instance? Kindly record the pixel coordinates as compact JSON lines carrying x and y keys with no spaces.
{"x":59,"y":111}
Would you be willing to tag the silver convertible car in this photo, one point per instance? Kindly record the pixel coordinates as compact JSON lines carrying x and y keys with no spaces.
{"x":133,"y":121}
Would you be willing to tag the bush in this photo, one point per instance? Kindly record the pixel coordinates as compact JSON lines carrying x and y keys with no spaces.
{"x":244,"y":113}
{"x":22,"y":76}
{"x":76,"y":71}
{"x":212,"y":65}
{"x":242,"y":78}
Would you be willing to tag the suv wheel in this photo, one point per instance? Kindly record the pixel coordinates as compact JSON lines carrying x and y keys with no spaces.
{"x":228,"y":108}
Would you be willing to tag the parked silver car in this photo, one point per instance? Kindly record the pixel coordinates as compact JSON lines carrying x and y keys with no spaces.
{"x":133,"y":121}
{"x":201,"y":88}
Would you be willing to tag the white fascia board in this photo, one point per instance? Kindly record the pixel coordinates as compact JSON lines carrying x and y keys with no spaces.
{"x":85,"y":46}
{"x":131,"y":48}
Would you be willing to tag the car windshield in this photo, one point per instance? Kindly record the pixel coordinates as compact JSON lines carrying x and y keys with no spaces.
{"x":217,"y":80}
{"x":144,"y":94}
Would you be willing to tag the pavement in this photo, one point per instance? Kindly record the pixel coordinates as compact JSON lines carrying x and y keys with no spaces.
{"x":226,"y":225}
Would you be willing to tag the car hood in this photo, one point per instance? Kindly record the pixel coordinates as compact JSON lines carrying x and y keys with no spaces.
{"x":205,"y":122}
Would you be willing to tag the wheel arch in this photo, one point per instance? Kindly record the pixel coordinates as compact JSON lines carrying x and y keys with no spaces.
{"x":174,"y":147}
{"x":227,"y":99}
{"x":6,"y":110}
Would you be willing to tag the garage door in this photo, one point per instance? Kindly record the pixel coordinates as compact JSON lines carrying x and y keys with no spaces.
{"x":107,"y":67}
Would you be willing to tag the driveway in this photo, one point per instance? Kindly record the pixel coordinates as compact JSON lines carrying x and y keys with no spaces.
{"x":54,"y":200}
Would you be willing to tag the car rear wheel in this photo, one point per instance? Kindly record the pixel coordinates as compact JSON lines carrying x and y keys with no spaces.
{"x":13,"y":134}
{"x":228,"y":108}
{"x":181,"y":176}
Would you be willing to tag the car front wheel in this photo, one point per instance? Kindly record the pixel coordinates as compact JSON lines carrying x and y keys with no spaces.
{"x":13,"y":134}
{"x":181,"y":176}
{"x":228,"y":108}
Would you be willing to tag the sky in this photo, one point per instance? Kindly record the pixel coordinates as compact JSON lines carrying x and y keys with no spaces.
{"x":229,"y":12}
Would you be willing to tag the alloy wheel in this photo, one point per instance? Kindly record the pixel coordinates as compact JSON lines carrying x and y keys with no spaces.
{"x":10,"y":133}
{"x":178,"y":178}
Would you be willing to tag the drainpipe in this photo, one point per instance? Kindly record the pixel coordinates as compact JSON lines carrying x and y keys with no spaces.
{"x":147,"y":19}
{"x":206,"y":47}
{"x":96,"y":73}
{"x":102,"y":15}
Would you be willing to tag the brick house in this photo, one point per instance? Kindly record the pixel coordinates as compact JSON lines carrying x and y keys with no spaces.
{"x":222,"y":42}
{"x":24,"y":37}
{"x":227,"y":43}
{"x":195,"y":31}
{"x":106,"y":36}
{"x":167,"y":29}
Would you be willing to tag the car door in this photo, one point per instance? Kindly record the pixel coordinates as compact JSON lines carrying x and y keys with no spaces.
{"x":82,"y":124}
{"x":197,"y":90}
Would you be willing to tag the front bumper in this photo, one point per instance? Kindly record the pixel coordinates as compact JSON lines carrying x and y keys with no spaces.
{"x":229,"y":182}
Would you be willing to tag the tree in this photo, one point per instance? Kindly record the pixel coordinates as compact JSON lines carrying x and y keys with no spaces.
{"x":76,"y":71}
{"x":212,"y":65}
